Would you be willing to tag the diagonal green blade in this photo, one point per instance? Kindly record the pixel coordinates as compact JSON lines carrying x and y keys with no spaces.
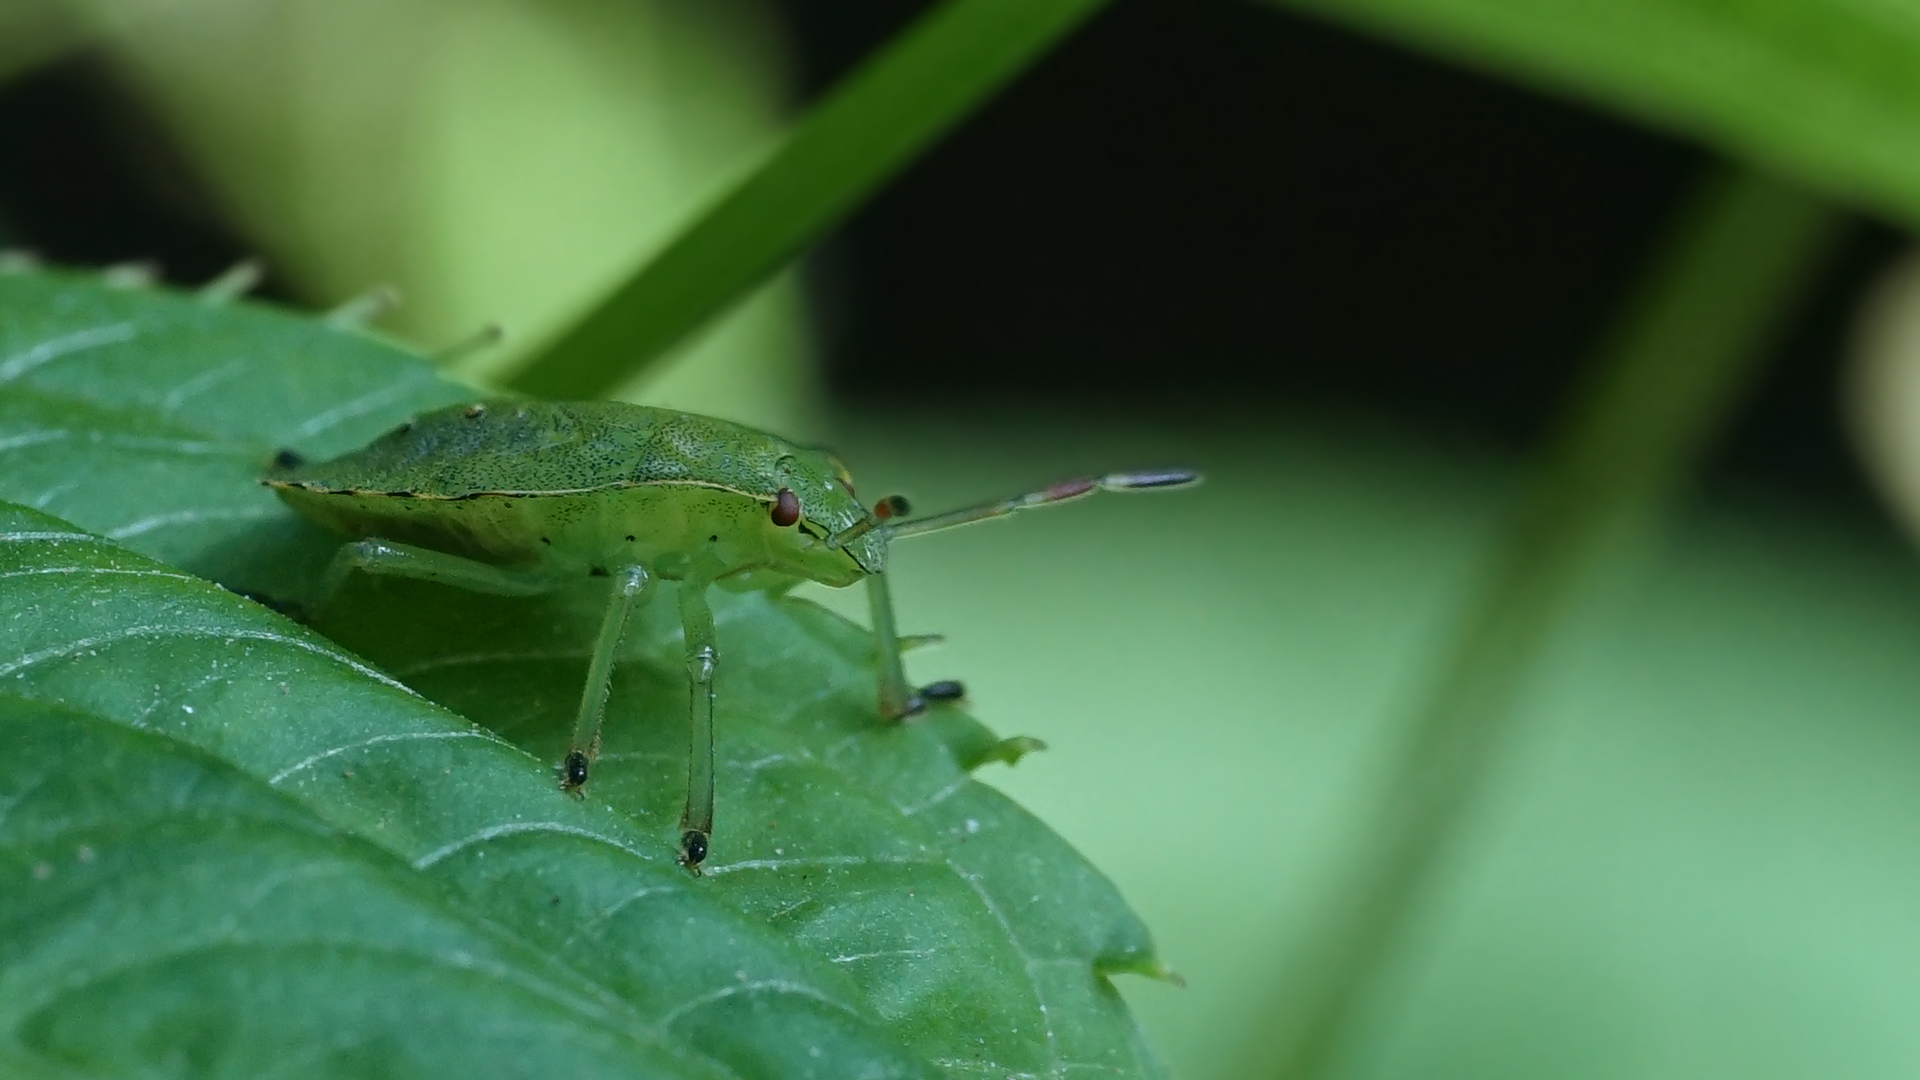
{"x":852,"y":142}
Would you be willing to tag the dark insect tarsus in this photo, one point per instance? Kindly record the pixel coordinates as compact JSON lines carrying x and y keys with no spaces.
{"x":944,"y":690}
{"x":573,"y":773}
{"x":693,"y":849}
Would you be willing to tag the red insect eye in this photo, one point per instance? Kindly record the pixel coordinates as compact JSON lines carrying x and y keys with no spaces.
{"x":786,"y":508}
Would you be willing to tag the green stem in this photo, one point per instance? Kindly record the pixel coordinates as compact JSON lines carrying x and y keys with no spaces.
{"x":1689,"y":342}
{"x":866,"y":130}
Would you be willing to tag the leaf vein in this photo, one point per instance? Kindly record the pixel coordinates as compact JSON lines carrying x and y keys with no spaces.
{"x":359,"y":406}
{"x":191,"y":517}
{"x":820,"y":861}
{"x":312,"y":760}
{"x":778,"y":986}
{"x":851,"y":958}
{"x":32,"y":438}
{"x":1027,"y":960}
{"x":39,"y":537}
{"x":97,"y":570}
{"x":57,"y":652}
{"x":512,"y":828}
{"x":53,"y":349}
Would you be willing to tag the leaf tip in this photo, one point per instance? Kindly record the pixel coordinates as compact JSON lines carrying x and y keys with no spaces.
{"x":1007,"y":750}
{"x":1139,"y":964}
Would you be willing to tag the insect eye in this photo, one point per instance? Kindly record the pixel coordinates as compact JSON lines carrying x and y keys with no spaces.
{"x":786,"y":508}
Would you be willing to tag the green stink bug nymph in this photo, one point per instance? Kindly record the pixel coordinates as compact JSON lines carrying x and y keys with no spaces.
{"x":523,"y":498}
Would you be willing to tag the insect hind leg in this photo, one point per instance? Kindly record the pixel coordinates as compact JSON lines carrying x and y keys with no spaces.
{"x":628,"y":584}
{"x":703,"y":658}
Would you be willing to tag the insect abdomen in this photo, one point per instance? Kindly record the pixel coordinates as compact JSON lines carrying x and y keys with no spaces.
{"x":494,"y":530}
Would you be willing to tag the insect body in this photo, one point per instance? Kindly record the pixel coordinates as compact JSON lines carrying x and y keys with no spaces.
{"x":520,"y":499}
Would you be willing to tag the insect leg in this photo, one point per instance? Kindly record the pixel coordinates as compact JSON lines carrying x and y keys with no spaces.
{"x":628,"y":583}
{"x":897,"y":700}
{"x":404,"y":560}
{"x":703,"y":657}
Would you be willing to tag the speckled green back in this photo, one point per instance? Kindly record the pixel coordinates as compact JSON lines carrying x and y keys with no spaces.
{"x":552,"y":447}
{"x":539,"y":448}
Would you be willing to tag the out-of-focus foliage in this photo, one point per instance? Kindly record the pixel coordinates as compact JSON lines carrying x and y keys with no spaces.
{"x":1826,"y":91}
{"x":837,"y":156}
{"x":1677,"y":358}
{"x":36,"y":31}
{"x":1883,"y":391}
{"x":495,"y":161}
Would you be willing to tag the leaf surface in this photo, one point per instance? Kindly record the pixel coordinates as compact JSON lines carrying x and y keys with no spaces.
{"x":234,"y":846}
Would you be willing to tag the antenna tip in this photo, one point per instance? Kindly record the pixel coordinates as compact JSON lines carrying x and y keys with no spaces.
{"x":1151,"y":478}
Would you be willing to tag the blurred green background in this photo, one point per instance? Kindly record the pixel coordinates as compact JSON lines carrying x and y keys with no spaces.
{"x":1348,"y":281}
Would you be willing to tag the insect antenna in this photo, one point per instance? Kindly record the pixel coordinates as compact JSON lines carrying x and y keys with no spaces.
{"x":885,"y":510}
{"x":1061,"y":492}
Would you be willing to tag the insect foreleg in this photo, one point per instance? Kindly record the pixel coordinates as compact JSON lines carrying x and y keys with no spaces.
{"x":628,"y":583}
{"x":703,"y":658}
{"x":404,"y":560}
{"x":897,"y":700}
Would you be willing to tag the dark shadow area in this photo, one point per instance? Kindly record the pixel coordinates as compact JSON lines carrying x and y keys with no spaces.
{"x":1206,"y":201}
{"x":88,"y":181}
{"x":1193,"y":198}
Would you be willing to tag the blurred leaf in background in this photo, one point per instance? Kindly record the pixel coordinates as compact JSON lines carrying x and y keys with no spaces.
{"x":495,"y":161}
{"x":33,"y":32}
{"x":1826,"y":92}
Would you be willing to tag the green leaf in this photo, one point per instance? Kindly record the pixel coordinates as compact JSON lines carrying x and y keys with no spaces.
{"x":231,"y":845}
{"x":1827,"y":92}
{"x":870,"y":127}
